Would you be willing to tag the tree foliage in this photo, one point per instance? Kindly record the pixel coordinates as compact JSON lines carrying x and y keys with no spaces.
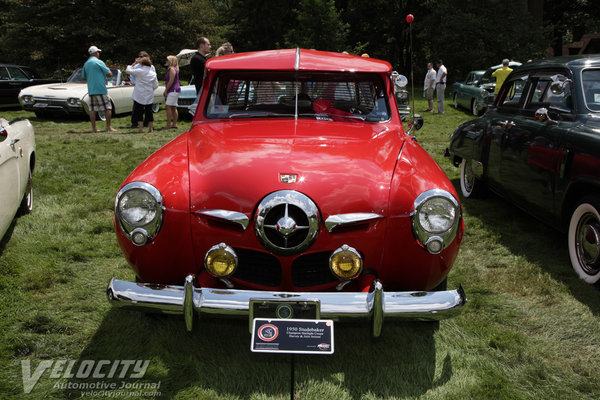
{"x":467,"y":34}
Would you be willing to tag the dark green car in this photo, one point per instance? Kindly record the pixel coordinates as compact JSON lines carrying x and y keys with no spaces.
{"x":538,"y":146}
{"x":476,"y":92}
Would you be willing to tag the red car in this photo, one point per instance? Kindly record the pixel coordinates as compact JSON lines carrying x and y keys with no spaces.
{"x":296,"y":193}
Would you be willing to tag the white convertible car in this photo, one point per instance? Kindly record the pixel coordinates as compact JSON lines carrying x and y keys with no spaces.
{"x":72,"y":97}
{"x":17,"y":160}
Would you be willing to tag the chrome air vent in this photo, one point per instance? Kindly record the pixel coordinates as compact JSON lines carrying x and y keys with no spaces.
{"x":287,"y":222}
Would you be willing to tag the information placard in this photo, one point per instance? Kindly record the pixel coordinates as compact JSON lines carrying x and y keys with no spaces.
{"x":295,"y":336}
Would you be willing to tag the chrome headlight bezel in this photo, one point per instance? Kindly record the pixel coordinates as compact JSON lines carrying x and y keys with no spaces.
{"x":152,"y":221}
{"x":436,"y":234}
{"x":74,"y":102}
{"x":27,"y":99}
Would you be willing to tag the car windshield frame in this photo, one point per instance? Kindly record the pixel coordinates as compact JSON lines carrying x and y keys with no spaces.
{"x":591,"y":91}
{"x":77,"y":77}
{"x":329,"y":96}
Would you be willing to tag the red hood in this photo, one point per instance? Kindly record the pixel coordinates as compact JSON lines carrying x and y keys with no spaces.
{"x":343,"y":167}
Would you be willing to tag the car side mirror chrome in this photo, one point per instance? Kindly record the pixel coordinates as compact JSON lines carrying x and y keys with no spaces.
{"x":415,"y":123}
{"x":541,"y":114}
{"x":400,"y":81}
{"x":559,"y":84}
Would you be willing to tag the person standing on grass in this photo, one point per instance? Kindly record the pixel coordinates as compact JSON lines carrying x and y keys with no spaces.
{"x":440,"y":85}
{"x":143,"y":92}
{"x":141,"y":54}
{"x":429,"y":84}
{"x":172,"y":91}
{"x":500,"y":74}
{"x":95,"y":73}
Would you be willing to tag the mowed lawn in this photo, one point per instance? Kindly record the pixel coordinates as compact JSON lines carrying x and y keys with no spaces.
{"x":531,"y":328}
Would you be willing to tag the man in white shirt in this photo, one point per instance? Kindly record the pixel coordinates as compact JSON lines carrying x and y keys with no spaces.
{"x":428,"y":86}
{"x":440,"y":85}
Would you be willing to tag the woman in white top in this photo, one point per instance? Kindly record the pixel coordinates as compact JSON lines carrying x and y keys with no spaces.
{"x":143,"y":93}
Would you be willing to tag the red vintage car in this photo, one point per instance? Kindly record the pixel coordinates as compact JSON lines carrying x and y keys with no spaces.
{"x":296,"y":193}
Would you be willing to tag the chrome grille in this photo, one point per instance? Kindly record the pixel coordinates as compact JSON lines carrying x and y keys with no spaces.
{"x":287,"y":222}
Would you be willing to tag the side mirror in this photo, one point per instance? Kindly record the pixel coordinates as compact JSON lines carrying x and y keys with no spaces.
{"x":559,"y":84}
{"x":415,"y":123}
{"x":400,"y":81}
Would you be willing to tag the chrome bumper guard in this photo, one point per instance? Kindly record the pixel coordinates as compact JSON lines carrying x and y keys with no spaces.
{"x":376,"y":304}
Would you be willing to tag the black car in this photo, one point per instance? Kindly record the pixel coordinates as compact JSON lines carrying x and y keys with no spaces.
{"x":13,"y":78}
{"x":539,"y":147}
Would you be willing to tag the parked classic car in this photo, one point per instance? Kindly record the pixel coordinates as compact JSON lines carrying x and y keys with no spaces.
{"x":13,"y":78}
{"x":296,"y":191}
{"x":539,"y":147}
{"x":72,"y":97}
{"x":476,"y":93}
{"x":17,"y":161}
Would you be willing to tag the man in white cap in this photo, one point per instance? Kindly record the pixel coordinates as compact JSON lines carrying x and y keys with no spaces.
{"x":95,"y":72}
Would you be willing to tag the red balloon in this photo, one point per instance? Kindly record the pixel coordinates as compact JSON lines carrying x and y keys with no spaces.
{"x":410,"y":18}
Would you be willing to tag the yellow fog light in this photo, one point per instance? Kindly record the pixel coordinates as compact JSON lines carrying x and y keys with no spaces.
{"x":346,"y":263}
{"x":221,"y":261}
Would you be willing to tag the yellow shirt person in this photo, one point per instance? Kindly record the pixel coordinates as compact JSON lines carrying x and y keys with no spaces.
{"x":500,"y":74}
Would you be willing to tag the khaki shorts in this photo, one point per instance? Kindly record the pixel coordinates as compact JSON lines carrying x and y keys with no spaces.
{"x":100,"y":102}
{"x":428,"y":94}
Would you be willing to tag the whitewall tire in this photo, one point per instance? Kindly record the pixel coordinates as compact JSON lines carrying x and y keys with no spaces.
{"x":584,"y":240}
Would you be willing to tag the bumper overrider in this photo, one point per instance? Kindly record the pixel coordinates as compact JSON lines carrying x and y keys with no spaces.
{"x":375,"y":305}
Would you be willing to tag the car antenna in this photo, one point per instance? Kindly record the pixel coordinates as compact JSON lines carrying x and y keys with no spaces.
{"x":410,"y":18}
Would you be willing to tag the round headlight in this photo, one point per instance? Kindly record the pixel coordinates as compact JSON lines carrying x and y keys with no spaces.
{"x":436,"y":219}
{"x":139,"y":205}
{"x":437,"y":215}
{"x":221,"y":261}
{"x":27,"y":99}
{"x":345,"y":263}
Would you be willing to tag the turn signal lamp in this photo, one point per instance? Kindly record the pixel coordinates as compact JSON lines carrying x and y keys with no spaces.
{"x":346,"y":263}
{"x":221,"y":261}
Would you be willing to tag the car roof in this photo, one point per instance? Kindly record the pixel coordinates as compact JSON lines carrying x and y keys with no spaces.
{"x":298,"y":59}
{"x":562,"y":61}
{"x":510,"y":64}
{"x":12,"y":65}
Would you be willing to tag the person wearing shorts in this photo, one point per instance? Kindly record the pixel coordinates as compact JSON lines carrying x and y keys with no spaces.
{"x":95,"y":73}
{"x":172,"y":91}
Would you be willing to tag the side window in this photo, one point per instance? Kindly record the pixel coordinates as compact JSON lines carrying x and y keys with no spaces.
{"x":512,"y":93}
{"x":17,"y":75}
{"x":4,"y":74}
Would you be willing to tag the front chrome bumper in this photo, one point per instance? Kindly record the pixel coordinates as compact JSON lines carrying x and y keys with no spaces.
{"x":375,"y":305}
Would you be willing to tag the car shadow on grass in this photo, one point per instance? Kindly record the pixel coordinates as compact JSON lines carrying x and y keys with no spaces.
{"x":215,"y":361}
{"x":531,"y":239}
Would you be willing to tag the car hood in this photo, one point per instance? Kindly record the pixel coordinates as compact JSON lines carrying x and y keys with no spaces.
{"x":342,"y":167}
{"x":59,"y":90}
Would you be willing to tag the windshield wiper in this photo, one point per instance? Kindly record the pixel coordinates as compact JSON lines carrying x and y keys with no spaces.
{"x":259,"y":115}
{"x":330,"y":116}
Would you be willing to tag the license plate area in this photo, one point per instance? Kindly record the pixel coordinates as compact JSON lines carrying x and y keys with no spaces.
{"x":285,"y":309}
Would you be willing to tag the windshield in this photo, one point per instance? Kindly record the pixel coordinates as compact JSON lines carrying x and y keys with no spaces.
{"x":318,"y":95}
{"x":591,"y":88}
{"x":77,"y":77}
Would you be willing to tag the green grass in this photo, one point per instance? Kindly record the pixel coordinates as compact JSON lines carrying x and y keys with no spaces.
{"x":530,"y":330}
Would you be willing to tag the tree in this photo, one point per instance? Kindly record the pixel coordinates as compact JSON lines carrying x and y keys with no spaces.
{"x":318,"y":26}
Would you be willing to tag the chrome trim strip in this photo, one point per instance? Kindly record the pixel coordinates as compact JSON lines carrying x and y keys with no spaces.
{"x":377,"y":304}
{"x":234,"y":217}
{"x":297,"y":62}
{"x":334,"y":221}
